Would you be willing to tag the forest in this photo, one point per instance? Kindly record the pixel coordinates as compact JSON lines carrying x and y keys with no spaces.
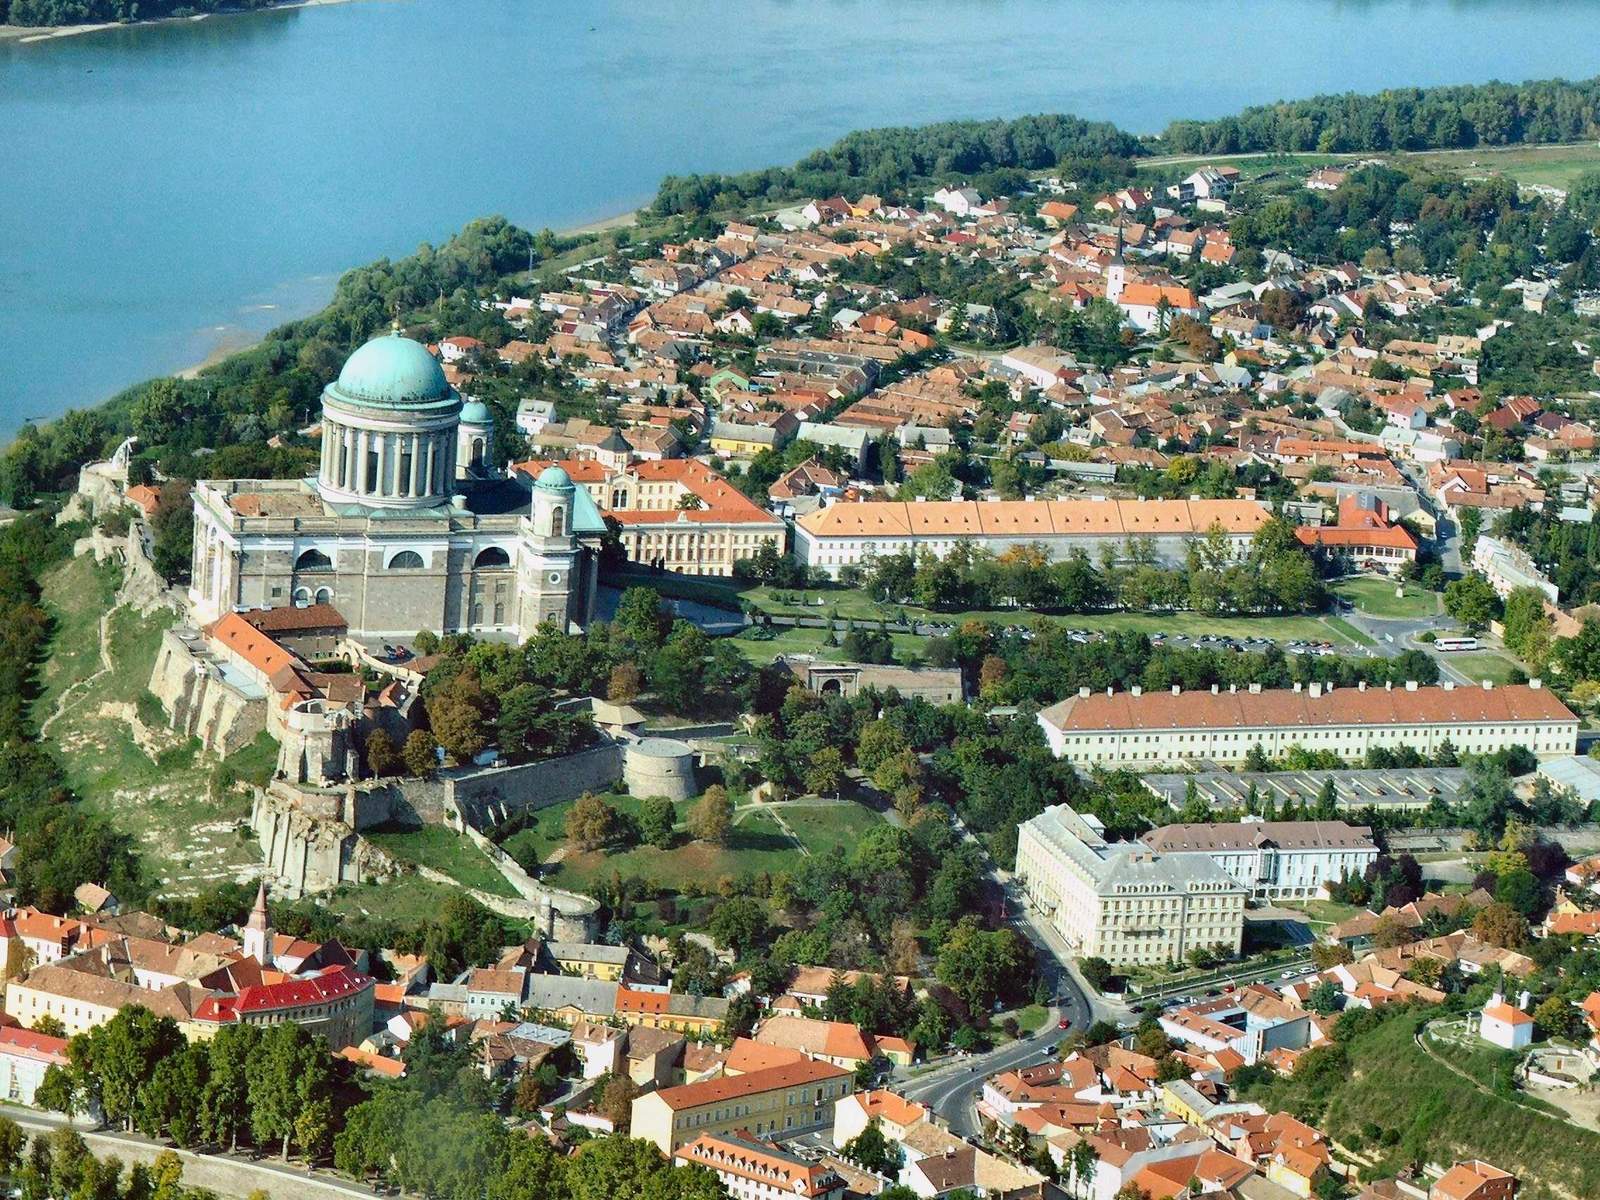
{"x":1440,"y":118}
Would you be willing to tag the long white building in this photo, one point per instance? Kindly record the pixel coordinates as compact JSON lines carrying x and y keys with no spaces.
{"x":1151,"y":729}
{"x":1274,"y":860}
{"x":851,"y":533}
{"x":1123,"y":901}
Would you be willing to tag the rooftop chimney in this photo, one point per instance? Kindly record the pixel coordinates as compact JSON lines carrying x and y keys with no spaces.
{"x":1215,"y":688}
{"x":1411,"y":685}
{"x":1255,"y":689}
{"x":1233,"y":688}
{"x":1083,"y":693}
{"x":1536,"y":682}
{"x":1388,"y":685}
{"x":1488,"y":685}
{"x":1109,"y":691}
{"x":1448,"y":685}
{"x":1297,"y":689}
{"x":1177,"y":690}
{"x":1362,"y":686}
{"x":1316,"y":690}
{"x":1137,"y":690}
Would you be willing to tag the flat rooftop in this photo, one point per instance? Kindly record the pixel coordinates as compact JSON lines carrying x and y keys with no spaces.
{"x":1353,"y":790}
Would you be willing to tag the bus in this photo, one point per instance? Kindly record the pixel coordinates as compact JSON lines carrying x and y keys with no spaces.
{"x":1455,"y":643}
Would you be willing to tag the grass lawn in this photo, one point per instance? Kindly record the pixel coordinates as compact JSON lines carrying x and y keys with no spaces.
{"x":407,"y":900}
{"x":119,"y":760}
{"x":1322,"y":912}
{"x":829,"y":829}
{"x":762,"y":650}
{"x":1376,"y":598}
{"x":446,"y":851}
{"x":1552,"y":166}
{"x":1482,"y":665}
{"x":1032,"y":1018}
{"x":759,"y":844}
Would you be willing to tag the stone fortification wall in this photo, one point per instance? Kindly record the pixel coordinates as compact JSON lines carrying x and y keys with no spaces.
{"x":485,"y":796}
{"x":197,"y":701}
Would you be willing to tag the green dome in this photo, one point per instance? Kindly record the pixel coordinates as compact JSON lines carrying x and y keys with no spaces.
{"x":392,"y":370}
{"x":554,"y":479}
{"x":476,"y":412}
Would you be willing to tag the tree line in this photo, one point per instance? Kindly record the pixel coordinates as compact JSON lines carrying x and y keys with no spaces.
{"x":94,"y":12}
{"x":1438,"y":118}
{"x":893,"y":162}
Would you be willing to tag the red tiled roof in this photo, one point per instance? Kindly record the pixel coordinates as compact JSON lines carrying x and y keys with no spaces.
{"x":1282,"y":707}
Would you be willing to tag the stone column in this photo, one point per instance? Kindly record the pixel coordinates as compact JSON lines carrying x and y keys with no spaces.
{"x":352,"y":447}
{"x":385,"y":464}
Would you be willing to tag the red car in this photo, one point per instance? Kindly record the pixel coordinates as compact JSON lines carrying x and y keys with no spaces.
{"x":1063,"y":1024}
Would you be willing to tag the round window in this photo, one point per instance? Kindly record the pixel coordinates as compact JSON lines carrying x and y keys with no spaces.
{"x":555,"y":576}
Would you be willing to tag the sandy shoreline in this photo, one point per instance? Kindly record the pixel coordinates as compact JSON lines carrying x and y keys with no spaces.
{"x":226,"y":348}
{"x":25,"y":34}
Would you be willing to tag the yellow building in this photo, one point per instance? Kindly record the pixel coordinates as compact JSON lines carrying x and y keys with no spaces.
{"x":775,"y":1102}
{"x":590,"y":960}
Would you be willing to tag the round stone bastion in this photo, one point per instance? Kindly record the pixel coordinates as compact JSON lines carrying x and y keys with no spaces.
{"x":658,"y":766}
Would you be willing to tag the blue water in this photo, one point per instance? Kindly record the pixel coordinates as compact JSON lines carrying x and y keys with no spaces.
{"x":175,"y":189}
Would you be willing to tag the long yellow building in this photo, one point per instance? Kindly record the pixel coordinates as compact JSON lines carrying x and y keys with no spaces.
{"x":846,"y":534}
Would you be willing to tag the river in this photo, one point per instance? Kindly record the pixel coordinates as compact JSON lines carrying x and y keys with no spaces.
{"x":173,"y":190}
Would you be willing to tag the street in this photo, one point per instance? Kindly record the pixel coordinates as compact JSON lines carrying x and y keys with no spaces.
{"x":952,"y":1090}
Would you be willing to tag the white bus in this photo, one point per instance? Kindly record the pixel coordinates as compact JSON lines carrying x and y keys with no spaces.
{"x":1456,"y":643}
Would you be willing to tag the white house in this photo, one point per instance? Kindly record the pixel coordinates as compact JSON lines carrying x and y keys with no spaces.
{"x":958,"y":201}
{"x":24,"y":1058}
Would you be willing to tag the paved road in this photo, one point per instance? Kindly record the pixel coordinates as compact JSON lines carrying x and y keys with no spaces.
{"x":951,"y":1090}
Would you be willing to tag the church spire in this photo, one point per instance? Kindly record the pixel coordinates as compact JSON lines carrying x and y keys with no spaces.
{"x":258,"y":930}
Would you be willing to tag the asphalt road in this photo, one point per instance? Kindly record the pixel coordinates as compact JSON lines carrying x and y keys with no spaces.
{"x":951,"y":1090}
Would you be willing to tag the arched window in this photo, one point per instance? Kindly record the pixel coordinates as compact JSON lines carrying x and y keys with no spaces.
{"x":313,"y":560}
{"x":324,"y":595}
{"x":406,"y":560}
{"x":558,"y":520}
{"x":302,"y":598}
{"x":477,"y":452}
{"x":492,"y":557}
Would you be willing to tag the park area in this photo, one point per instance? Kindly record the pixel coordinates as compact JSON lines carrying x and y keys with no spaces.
{"x":1378,"y":598}
{"x":765,"y":838}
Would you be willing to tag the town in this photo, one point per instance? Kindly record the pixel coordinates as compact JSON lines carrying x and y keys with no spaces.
{"x":1076,"y":682}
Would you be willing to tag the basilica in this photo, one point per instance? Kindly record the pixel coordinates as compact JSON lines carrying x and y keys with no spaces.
{"x":407,"y":526}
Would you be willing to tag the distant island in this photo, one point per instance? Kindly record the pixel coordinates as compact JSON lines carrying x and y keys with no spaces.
{"x":42,"y":14}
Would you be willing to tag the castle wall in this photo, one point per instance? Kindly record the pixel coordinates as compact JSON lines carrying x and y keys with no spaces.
{"x":487,"y":796}
{"x":197,"y":701}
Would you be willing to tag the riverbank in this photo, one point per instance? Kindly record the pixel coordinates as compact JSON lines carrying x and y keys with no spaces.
{"x":24,"y":34}
{"x":226,"y":347}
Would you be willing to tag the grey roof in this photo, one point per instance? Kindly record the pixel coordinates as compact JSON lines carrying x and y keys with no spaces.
{"x":1125,"y":866}
{"x":1248,"y":835}
{"x":590,"y":951}
{"x":1580,"y":774}
{"x":594,"y":996}
{"x":848,"y":436}
{"x":1399,"y":788}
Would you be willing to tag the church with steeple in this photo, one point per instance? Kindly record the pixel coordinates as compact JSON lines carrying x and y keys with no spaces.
{"x":407,"y":525}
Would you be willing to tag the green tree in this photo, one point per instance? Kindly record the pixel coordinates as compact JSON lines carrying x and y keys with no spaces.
{"x":382,"y":757}
{"x":657,"y":821}
{"x":980,"y":966}
{"x":225,"y":1099}
{"x":711,"y":819}
{"x":872,"y":1151}
{"x":1471,"y":601}
{"x":591,"y":823}
{"x":420,"y":753}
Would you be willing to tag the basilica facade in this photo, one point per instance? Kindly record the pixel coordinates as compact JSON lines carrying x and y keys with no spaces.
{"x":406,"y":526}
